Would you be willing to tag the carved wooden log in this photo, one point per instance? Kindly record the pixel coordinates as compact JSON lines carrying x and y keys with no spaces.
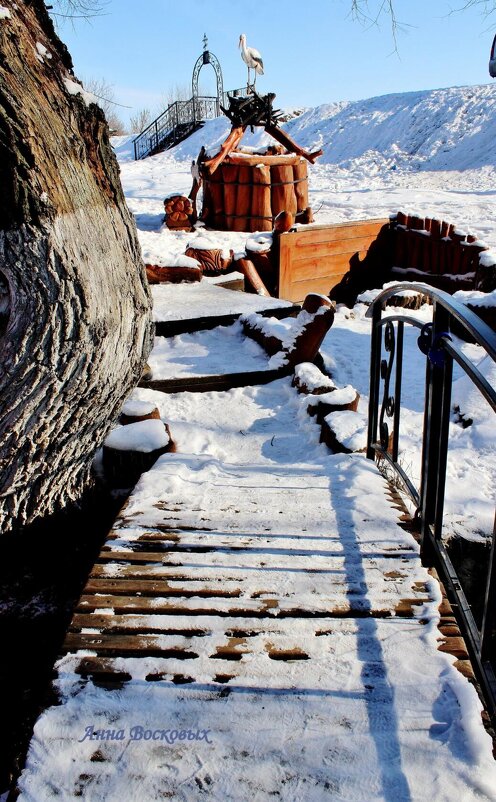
{"x":436,"y":246}
{"x":259,"y":251}
{"x":283,"y":197}
{"x":212,"y":261}
{"x":262,"y":158}
{"x":217,"y":218}
{"x":158,"y":274}
{"x":305,"y":217}
{"x":178,"y":213}
{"x":338,"y":400}
{"x":261,"y":209}
{"x":300,"y":176}
{"x":457,"y":237}
{"x":243,"y":199}
{"x":252,"y":276}
{"x":290,"y":144}
{"x":283,"y":222}
{"x":255,"y":328}
{"x":317,"y":316}
{"x":230,"y":173}
{"x":312,"y":324}
{"x":233,"y":139}
{"x":309,"y":380}
{"x":76,"y":324}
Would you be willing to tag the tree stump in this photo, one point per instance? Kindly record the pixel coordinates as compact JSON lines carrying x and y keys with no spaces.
{"x":135,"y":411}
{"x":133,"y":449}
{"x":76,"y":327}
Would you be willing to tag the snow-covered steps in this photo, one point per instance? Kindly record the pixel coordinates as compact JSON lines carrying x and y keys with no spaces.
{"x":213,"y":359}
{"x":258,"y":626}
{"x":181,"y":308}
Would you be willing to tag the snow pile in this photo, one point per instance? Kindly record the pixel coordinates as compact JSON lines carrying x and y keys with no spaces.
{"x":135,"y":408}
{"x":4,"y":13}
{"x":338,"y":397}
{"x":308,"y":374}
{"x":474,"y":298}
{"x":350,"y":428}
{"x":144,"y":436}
{"x":436,"y":129}
{"x":73,"y":88}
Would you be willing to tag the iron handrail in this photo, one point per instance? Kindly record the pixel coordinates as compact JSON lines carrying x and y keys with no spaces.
{"x":441,"y":351}
{"x":180,"y":113}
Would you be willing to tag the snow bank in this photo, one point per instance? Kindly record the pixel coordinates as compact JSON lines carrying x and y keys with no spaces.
{"x":144,"y":436}
{"x":134,"y":408}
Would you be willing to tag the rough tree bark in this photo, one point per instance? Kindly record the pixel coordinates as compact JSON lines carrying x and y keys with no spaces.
{"x":75,"y":326}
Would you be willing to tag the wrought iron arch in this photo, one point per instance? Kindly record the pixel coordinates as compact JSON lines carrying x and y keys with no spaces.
{"x":208,"y":58}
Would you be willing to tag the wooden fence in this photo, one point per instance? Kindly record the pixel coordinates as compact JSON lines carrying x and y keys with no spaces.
{"x":317,"y":259}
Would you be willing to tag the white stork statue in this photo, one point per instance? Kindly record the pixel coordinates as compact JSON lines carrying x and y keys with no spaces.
{"x":252,"y":59}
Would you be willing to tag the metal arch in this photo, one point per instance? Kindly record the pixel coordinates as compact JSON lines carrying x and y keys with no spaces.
{"x":208,"y":58}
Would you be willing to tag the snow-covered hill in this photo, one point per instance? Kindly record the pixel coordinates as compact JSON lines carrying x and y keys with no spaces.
{"x":440,"y":129}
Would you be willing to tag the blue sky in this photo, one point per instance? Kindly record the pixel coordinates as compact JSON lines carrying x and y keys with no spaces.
{"x":313,"y":52}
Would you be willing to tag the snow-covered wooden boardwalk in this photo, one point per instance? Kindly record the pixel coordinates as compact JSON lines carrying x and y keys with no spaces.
{"x":258,"y":626}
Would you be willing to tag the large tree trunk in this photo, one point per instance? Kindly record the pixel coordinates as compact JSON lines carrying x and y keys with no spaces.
{"x":75,"y":326}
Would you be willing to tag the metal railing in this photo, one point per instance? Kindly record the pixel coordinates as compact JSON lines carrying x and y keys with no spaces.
{"x":441,"y":350}
{"x":178,"y":120}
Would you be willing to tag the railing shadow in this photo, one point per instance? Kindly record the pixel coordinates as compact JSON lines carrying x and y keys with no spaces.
{"x":379,"y":693}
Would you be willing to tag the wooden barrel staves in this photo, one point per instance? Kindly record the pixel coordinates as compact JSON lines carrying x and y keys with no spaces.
{"x":247,"y":192}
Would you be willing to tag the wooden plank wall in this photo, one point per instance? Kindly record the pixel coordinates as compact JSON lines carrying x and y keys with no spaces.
{"x":316,"y":258}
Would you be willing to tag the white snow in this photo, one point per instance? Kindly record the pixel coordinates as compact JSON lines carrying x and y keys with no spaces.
{"x":339,"y":397}
{"x":144,"y":436}
{"x":189,"y":301}
{"x":430,"y":153}
{"x":476,"y":298}
{"x":42,"y":51}
{"x":377,"y":712}
{"x":76,"y":89}
{"x":350,"y":428}
{"x":4,"y":13}
{"x":134,"y":408}
{"x":206,"y":353}
{"x":313,"y":378}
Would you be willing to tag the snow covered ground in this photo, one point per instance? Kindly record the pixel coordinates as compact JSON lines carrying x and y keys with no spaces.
{"x":375,"y":713}
{"x":255,"y":522}
{"x":430,"y":152}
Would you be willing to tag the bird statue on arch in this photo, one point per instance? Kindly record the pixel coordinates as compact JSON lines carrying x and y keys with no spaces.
{"x":252,"y":59}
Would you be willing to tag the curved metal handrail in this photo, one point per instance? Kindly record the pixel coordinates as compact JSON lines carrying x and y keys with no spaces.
{"x":479,"y":330}
{"x":441,"y":350}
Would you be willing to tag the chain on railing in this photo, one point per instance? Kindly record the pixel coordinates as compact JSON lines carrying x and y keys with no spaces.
{"x":441,"y":350}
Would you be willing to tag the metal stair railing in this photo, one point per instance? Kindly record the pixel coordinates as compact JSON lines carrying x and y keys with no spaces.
{"x":441,"y":351}
{"x":178,"y":120}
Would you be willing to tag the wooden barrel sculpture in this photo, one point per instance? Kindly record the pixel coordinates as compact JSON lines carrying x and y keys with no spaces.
{"x":247,"y":192}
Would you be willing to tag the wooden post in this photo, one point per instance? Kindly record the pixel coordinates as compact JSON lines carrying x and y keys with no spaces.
{"x":300,"y":176}
{"x":260,"y":202}
{"x":283,"y":198}
{"x":229,"y":173}
{"x":217,"y":218}
{"x":243,"y":199}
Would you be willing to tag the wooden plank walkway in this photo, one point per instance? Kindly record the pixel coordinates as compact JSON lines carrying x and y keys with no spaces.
{"x":258,"y":626}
